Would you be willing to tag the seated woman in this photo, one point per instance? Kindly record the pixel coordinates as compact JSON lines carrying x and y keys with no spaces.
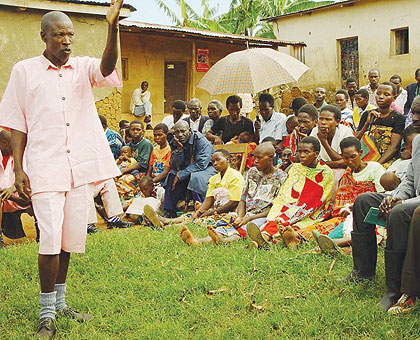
{"x":304,"y":199}
{"x":223,"y":194}
{"x":381,"y":130}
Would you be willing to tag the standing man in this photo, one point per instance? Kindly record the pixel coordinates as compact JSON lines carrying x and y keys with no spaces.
{"x":272,"y":124}
{"x":320,"y":95}
{"x":49,"y":107}
{"x":196,"y":120}
{"x":374,"y":77}
{"x":412,"y":91}
{"x":351,"y":87}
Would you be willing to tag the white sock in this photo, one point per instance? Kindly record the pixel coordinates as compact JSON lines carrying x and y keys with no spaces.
{"x":60,"y":301}
{"x":47,"y":301}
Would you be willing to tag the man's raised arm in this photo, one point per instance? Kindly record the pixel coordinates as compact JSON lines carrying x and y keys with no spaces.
{"x":110,"y":55}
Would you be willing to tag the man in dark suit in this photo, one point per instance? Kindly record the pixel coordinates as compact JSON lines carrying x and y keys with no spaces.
{"x":196,"y":120}
{"x":412,"y":92}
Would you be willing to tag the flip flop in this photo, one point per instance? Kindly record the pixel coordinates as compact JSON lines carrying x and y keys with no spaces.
{"x":328,"y":246}
{"x":152,"y":217}
{"x":255,"y":234}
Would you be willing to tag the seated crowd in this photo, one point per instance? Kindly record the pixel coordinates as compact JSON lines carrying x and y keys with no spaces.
{"x":311,"y":175}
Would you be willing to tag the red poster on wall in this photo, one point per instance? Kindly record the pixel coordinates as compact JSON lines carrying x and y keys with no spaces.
{"x":202,"y":60}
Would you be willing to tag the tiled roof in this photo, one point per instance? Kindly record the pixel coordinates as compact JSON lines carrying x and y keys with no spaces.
{"x":188,"y":31}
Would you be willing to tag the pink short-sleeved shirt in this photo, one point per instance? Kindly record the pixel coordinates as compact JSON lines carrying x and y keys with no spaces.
{"x":66,"y":144}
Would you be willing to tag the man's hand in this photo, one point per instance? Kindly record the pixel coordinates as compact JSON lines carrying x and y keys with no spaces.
{"x":322,"y":136}
{"x":218,"y":141}
{"x":5,"y":194}
{"x":176,"y":180}
{"x":300,"y":133}
{"x":114,"y":12}
{"x":22,"y":184}
{"x":257,"y":125}
{"x":178,"y":144}
{"x":388,"y":203}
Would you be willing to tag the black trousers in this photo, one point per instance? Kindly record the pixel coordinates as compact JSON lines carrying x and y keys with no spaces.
{"x":410,"y":278}
{"x":398,"y":220}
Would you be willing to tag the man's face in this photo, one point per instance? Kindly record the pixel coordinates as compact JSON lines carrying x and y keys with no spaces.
{"x":352,"y":157}
{"x":305,"y":123}
{"x":373,"y":78}
{"x":234,"y":111}
{"x":384,"y":96}
{"x":361,"y":101}
{"x":307,"y":154}
{"x":144,"y":86}
{"x":285,"y":157}
{"x":351,"y":88}
{"x":417,"y":77}
{"x":177,"y":113}
{"x":262,"y":160}
{"x":159,"y":137}
{"x":136,"y":132}
{"x":58,"y":39}
{"x":397,"y":83}
{"x":125,"y":126}
{"x":416,"y":120}
{"x":182,"y":133}
{"x":195,"y":111}
{"x":409,"y":144}
{"x":320,"y":94}
{"x":327,"y":122}
{"x":341,"y":101}
{"x":213,"y":112}
{"x":266,"y":110}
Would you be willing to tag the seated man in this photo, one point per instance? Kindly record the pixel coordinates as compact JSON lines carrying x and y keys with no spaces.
{"x":114,"y":139}
{"x":12,"y":205}
{"x":196,"y":120}
{"x":178,"y":112}
{"x":398,"y":210}
{"x":190,"y":166}
{"x":232,"y":125}
{"x":307,"y":120}
{"x":271,"y":123}
{"x":304,"y":199}
{"x":330,"y":133}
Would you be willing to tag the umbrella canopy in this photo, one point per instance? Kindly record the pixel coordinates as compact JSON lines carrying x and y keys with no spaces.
{"x":251,"y":71}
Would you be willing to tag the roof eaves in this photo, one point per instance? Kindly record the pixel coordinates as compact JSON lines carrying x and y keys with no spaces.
{"x":206,"y":34}
{"x":341,"y":3}
{"x":96,"y":3}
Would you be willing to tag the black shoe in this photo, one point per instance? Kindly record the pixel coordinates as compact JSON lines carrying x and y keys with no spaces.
{"x":364,"y":257}
{"x":394,"y":261}
{"x":93,"y":229}
{"x":120,"y":224}
{"x":46,"y":328}
{"x":70,"y":313}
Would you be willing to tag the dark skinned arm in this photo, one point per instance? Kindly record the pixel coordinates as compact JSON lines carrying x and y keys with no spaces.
{"x":337,"y":164}
{"x":18,"y":141}
{"x":392,"y":149}
{"x":110,"y":55}
{"x":131,"y":168}
{"x":213,"y":138}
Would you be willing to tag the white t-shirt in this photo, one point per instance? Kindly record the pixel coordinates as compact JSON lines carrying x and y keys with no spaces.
{"x":372,"y":173}
{"x":341,"y":132}
{"x":275,"y":127}
{"x":399,"y":167}
{"x":169,"y":120}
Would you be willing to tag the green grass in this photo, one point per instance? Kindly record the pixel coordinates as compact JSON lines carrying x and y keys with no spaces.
{"x":144,"y":284}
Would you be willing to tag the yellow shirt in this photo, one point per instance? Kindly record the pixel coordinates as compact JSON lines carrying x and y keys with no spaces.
{"x":232,"y":181}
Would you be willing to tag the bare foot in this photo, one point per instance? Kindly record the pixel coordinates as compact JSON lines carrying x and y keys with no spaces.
{"x":188,"y":237}
{"x":291,"y":238}
{"x":197,"y":205}
{"x":213,"y":234}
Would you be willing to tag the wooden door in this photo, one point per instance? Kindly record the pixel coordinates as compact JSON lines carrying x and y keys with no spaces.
{"x":349,"y":56}
{"x":175,"y":83}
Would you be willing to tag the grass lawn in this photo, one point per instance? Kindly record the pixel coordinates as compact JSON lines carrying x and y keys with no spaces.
{"x":144,"y":284}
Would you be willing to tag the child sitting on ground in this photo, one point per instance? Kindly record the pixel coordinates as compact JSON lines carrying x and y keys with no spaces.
{"x":126,"y":160}
{"x":160,"y":156}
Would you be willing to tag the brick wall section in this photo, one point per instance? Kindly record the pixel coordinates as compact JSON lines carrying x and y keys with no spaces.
{"x":110,"y":107}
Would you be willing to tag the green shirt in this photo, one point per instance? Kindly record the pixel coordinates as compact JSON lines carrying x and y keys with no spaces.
{"x":141,"y":152}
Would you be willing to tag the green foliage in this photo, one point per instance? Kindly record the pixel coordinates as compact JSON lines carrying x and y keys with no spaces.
{"x":244,"y":16}
{"x":144,"y":284}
